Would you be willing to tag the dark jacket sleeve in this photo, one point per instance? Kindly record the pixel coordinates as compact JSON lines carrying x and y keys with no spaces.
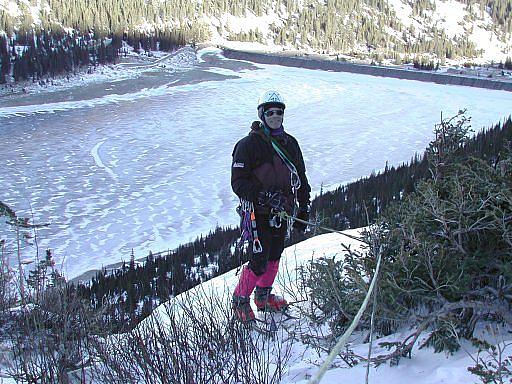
{"x":242,"y":181}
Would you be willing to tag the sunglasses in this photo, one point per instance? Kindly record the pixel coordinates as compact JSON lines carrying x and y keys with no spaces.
{"x":278,"y":112}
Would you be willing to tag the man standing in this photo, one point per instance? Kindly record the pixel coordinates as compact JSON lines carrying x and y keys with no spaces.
{"x":269,"y":177}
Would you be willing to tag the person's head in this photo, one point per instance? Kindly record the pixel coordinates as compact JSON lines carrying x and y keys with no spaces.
{"x":271,"y":109}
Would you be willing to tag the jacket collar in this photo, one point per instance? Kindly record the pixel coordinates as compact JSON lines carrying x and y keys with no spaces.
{"x":257,"y":127}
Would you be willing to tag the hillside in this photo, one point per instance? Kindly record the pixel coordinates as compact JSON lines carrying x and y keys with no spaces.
{"x":424,"y":303}
{"x":137,"y":289}
{"x":190,"y":339}
{"x":442,"y":287}
{"x":398,"y":30}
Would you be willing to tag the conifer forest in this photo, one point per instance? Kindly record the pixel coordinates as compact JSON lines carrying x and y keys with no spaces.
{"x":71,"y":34}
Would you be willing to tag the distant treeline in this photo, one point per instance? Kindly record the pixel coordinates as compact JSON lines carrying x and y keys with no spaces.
{"x":335,"y":26}
{"x":348,"y":205}
{"x":40,"y":55}
{"x":37,"y":56}
{"x":130,"y":293}
{"x":133,"y":291}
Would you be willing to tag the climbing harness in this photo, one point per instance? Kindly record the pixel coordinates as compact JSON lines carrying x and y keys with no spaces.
{"x":295,"y":183}
{"x":248,"y":229}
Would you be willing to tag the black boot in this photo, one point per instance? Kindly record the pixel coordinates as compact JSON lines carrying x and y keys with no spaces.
{"x":268,"y":302}
{"x":242,"y":309}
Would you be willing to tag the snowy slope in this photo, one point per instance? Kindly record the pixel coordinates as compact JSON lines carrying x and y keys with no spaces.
{"x":424,"y":367}
{"x":450,"y":16}
{"x":453,"y":17}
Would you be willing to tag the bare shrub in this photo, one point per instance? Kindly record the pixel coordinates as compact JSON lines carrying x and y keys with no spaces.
{"x":446,"y":254}
{"x":51,"y":339}
{"x":8,"y":292}
{"x":192,"y":339}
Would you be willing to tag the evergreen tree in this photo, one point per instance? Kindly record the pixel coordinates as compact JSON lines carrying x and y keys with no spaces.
{"x":446,"y":251}
{"x":5,"y":61}
{"x":508,"y":64}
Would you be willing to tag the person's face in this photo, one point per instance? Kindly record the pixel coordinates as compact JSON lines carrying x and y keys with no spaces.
{"x":274,"y":117}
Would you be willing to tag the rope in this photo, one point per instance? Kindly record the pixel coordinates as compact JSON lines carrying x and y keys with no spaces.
{"x":344,"y":338}
{"x":370,"y":344}
{"x":280,"y":151}
{"x":284,"y":214}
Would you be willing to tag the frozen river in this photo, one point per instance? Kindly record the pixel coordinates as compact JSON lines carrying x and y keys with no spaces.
{"x":144,"y":163}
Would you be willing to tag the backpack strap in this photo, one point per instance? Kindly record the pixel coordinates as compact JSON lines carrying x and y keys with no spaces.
{"x":294,"y":174}
{"x":281,"y":152}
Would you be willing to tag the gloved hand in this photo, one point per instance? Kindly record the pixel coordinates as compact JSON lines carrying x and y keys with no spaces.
{"x":303,"y":214}
{"x":272,"y":199}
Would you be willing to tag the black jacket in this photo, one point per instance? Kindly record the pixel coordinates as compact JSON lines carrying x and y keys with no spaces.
{"x":257,"y":167}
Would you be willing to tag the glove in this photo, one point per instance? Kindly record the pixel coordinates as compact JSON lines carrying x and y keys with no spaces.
{"x":272,"y":199}
{"x":303,"y":214}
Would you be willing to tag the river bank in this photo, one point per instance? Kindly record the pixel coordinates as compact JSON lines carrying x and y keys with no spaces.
{"x":307,"y":62}
{"x":130,"y":66}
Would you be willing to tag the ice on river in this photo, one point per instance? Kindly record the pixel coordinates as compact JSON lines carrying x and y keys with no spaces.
{"x":144,"y":163}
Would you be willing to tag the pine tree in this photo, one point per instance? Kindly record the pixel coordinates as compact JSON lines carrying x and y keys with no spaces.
{"x":508,"y":63}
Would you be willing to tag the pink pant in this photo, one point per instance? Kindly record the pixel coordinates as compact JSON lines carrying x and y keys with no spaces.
{"x":248,"y":280}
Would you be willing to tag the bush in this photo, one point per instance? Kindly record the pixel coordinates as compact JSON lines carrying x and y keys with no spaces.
{"x":446,"y":250}
{"x":191,"y":339}
{"x":50,"y":343}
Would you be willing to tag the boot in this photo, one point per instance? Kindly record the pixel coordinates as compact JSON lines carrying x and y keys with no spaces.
{"x":242,"y":310}
{"x":268,"y":302}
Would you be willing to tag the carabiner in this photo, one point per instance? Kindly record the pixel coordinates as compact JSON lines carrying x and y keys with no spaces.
{"x":275,"y":221}
{"x":295,"y":180}
{"x":256,"y":246}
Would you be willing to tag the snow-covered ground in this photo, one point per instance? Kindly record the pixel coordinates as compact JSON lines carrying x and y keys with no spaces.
{"x":424,"y":367}
{"x":452,"y":17}
{"x":143,"y":162}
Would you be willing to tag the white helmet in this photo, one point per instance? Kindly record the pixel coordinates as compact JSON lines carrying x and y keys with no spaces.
{"x":271,"y":98}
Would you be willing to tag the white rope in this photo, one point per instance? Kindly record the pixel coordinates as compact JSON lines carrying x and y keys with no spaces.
{"x":285,"y":215}
{"x":344,"y":338}
{"x":370,"y":344}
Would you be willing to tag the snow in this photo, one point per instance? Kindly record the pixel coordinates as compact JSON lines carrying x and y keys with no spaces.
{"x":130,"y":68}
{"x":348,"y":125}
{"x":97,"y":159}
{"x":94,"y":179}
{"x":448,"y":14}
{"x":249,"y":22}
{"x":13,"y":9}
{"x":484,"y":38}
{"x":424,"y":367}
{"x":143,"y":163}
{"x":403,"y":11}
{"x":34,"y":12}
{"x":10,"y":7}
